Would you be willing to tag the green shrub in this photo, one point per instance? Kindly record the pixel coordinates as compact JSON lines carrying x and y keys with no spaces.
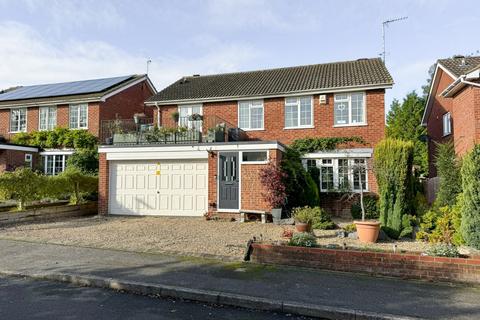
{"x":73,"y":182}
{"x":393,"y":170}
{"x":470,"y":224}
{"x":84,"y":159}
{"x":448,"y":172}
{"x":370,"y":204}
{"x":303,"y":239}
{"x":349,"y":228}
{"x":443,"y":250}
{"x":316,"y":217}
{"x":23,"y":185}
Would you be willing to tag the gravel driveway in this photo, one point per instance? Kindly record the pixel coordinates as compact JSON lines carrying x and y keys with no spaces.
{"x":184,"y":236}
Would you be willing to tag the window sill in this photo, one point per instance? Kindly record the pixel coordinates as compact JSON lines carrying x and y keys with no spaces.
{"x":350,"y":125}
{"x":446,"y":135}
{"x":299,"y":128}
{"x":254,"y":162}
{"x":261,"y":129}
{"x":17,"y":131}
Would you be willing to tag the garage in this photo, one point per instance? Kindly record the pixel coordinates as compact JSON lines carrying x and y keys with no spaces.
{"x":177,"y":187}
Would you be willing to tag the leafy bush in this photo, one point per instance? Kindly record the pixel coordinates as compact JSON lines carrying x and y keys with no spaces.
{"x":316,"y":217}
{"x":448,"y":171}
{"x":86,"y":160}
{"x":303,"y":239}
{"x":23,"y":185}
{"x":272,"y":179}
{"x":370,"y":204}
{"x":57,"y":138}
{"x":393,"y":169}
{"x":349,"y":228}
{"x":470,"y":224}
{"x":443,"y":250}
{"x":73,"y":182}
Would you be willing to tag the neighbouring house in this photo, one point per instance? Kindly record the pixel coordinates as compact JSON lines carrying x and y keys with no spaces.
{"x":212,"y":135}
{"x":452,"y":111}
{"x":83,"y":105}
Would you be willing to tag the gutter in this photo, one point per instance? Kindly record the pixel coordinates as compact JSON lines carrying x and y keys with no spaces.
{"x":456,"y":85}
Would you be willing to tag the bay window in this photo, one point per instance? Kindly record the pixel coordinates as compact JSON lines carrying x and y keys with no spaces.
{"x":349,"y":109}
{"x":78,"y":116}
{"x":298,"y":112}
{"x":250,"y":115}
{"x":54,"y":164}
{"x":18,"y":120}
{"x":47,"y":118}
{"x":337,"y":174}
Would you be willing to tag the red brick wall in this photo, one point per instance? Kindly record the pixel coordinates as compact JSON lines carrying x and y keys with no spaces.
{"x":103,"y":186}
{"x":409,"y":266}
{"x":12,"y":159}
{"x":466,"y":119}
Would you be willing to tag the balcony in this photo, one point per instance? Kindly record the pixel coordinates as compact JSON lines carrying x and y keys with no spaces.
{"x":187,"y":130}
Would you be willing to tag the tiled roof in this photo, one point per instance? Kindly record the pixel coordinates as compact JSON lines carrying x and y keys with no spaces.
{"x":362,"y":72}
{"x":66,"y":90}
{"x":460,"y":65}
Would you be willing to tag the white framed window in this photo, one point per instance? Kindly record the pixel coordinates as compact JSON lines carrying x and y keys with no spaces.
{"x":184,"y":113}
{"x":299,"y":112}
{"x":447,"y":124}
{"x":349,"y":109}
{"x":337,"y":174}
{"x":54,"y":164}
{"x":18,"y":120}
{"x":47,"y":118}
{"x":255,"y":157}
{"x":250,"y":115}
{"x":78,"y":116}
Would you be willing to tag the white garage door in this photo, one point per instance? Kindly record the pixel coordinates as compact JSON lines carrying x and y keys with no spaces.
{"x":159,"y":187}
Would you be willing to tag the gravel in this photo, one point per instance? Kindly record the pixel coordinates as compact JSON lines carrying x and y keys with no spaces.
{"x":174,"y":235}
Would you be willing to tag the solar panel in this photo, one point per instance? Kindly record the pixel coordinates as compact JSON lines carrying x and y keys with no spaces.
{"x":62,"y":89}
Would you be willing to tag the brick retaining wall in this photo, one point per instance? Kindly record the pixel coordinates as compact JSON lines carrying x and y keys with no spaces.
{"x":408,"y":266}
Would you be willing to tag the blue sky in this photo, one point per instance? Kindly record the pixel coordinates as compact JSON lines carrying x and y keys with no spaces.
{"x":60,"y":40}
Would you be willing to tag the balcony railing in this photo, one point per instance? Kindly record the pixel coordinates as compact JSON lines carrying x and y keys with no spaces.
{"x":188,"y":130}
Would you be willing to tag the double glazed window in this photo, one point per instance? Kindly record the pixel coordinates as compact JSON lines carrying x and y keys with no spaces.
{"x":298,"y":112}
{"x":48,"y":118}
{"x":341,"y":174}
{"x":78,"y":116}
{"x":447,"y":124}
{"x":54,"y":164}
{"x":18,"y":120}
{"x":255,"y":156}
{"x":250,"y":115}
{"x":349,"y":109}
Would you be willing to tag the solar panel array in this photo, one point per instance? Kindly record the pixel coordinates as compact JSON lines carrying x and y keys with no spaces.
{"x":62,"y":89}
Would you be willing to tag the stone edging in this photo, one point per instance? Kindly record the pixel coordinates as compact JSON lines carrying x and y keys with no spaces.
{"x":208,"y":296}
{"x":407,"y":266}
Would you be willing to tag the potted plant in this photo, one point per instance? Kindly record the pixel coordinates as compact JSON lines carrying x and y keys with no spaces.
{"x":272,"y":179}
{"x":303,"y":217}
{"x":195,"y":117}
{"x":175,"y":116}
{"x":367,"y":230}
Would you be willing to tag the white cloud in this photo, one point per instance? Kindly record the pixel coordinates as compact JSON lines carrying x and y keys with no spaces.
{"x":26,"y":57}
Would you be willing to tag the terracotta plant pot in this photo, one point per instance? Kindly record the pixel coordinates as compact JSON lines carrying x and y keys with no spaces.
{"x":302,"y":227}
{"x":367,"y":231}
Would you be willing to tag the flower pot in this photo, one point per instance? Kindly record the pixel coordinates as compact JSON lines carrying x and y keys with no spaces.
{"x":302,"y":226}
{"x":276,"y":215}
{"x":367,"y":231}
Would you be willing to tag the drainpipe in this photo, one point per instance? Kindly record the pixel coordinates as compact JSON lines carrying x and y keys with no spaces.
{"x":158,"y":114}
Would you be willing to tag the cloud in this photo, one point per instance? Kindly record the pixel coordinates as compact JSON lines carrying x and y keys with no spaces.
{"x":26,"y":57}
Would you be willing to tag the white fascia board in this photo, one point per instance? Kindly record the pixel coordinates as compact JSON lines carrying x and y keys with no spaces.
{"x":158,"y":155}
{"x":189,"y":148}
{"x":341,"y":153}
{"x":57,"y":152}
{"x":287,"y":94}
{"x":18,"y":148}
{"x":111,"y":94}
{"x":475,"y":74}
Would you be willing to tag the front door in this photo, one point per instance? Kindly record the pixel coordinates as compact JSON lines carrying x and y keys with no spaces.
{"x":228,"y":181}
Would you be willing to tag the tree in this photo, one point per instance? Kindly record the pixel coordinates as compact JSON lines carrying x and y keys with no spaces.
{"x":448,"y":172}
{"x":84,"y":159}
{"x":393,"y":170}
{"x":75,"y":182}
{"x":404,"y":122}
{"x":470,"y":225}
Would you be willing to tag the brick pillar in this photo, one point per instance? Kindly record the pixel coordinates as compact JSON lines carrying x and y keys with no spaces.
{"x":212,"y":182}
{"x":103,"y":188}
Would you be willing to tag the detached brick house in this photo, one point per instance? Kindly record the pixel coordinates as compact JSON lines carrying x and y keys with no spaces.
{"x":229,"y":126}
{"x":453,"y":107}
{"x":75,"y":105}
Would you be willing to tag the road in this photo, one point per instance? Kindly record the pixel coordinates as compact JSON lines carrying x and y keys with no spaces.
{"x":29,"y":299}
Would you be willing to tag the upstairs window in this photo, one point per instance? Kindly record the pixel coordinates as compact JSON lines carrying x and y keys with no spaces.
{"x":48,"y":118}
{"x":78,"y":116}
{"x":298,"y":112}
{"x":349,"y":109}
{"x":447,"y":124}
{"x":250,"y":115}
{"x":18,"y":120}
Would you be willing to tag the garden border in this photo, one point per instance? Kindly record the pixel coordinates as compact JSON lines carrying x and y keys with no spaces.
{"x":401,"y":265}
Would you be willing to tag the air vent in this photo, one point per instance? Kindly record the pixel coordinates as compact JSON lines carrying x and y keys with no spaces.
{"x":322,"y":98}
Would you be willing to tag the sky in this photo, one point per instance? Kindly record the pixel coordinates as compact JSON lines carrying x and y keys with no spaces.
{"x":59,"y":40}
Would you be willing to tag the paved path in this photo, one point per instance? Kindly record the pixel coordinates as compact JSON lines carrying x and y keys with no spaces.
{"x":27,"y":299}
{"x":337,"y":290}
